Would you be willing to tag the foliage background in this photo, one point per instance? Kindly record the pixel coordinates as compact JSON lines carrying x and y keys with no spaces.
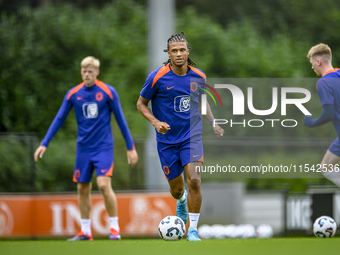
{"x":43,"y":42}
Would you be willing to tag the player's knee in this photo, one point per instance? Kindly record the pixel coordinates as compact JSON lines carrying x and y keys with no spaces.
{"x":194,"y":184}
{"x":84,"y":189}
{"x":103,"y":188}
{"x":177,"y":192}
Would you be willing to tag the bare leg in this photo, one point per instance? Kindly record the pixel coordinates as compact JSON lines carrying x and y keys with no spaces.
{"x":177,"y":186}
{"x":194,"y":184}
{"x":330,"y":159}
{"x":84,"y":199}
{"x":330,"y":167}
{"x":110,"y":200}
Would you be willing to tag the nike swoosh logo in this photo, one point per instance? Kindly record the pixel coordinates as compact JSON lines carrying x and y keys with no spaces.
{"x":195,"y":156}
{"x":169,"y":87}
{"x":103,"y":170}
{"x":79,"y":98}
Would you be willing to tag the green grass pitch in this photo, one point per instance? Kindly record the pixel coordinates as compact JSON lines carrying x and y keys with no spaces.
{"x":274,"y":246}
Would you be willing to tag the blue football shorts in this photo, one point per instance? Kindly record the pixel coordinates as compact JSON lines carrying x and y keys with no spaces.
{"x":335,"y":147}
{"x":174,"y":157}
{"x":87,"y":161}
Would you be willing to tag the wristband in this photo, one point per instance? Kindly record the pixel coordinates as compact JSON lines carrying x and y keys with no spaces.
{"x":211,"y":121}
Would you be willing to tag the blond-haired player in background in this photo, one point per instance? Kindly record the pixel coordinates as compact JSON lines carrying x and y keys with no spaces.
{"x":93,"y":102}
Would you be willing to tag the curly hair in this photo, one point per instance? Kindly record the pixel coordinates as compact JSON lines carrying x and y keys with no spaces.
{"x":178,"y":37}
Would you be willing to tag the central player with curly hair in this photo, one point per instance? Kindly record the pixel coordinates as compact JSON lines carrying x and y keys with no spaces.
{"x":174,"y":91}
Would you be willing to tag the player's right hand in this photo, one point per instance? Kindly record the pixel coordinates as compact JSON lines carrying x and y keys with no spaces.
{"x":162,"y":127}
{"x":308,"y":121}
{"x":39,"y":152}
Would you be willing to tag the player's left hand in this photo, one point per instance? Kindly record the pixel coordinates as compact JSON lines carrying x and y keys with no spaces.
{"x":219,"y":132}
{"x":39,"y":152}
{"x":308,"y":121}
{"x":132,"y":157}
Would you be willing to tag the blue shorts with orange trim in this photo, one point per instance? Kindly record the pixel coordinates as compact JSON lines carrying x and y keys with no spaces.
{"x":86,"y":162}
{"x":335,"y":147}
{"x":174,"y":157}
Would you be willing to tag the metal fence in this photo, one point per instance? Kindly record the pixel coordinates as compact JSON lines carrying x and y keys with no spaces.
{"x":19,"y":172}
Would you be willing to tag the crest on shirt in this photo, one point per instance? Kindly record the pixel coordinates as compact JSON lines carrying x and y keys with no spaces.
{"x":193,"y":86}
{"x":182,"y":103}
{"x":99,"y":96}
{"x":90,"y":110}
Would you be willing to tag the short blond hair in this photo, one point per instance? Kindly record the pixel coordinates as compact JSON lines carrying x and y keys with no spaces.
{"x":90,"y":61}
{"x":321,"y":50}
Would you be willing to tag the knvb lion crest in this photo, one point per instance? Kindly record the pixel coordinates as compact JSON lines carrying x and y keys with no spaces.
{"x":193,"y":86}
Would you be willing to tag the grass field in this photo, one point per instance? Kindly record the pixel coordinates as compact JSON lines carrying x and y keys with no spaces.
{"x":274,"y":246}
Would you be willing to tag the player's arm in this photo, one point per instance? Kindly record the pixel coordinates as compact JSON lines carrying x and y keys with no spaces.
{"x":53,"y":129}
{"x":142,"y":106}
{"x":210,"y":117}
{"x":326,"y":116}
{"x":131,"y":154}
{"x":326,"y":96}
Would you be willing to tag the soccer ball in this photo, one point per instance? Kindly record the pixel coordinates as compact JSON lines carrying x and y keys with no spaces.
{"x":239,"y":231}
{"x":229,"y":231}
{"x":204,"y":231}
{"x":171,"y":228}
{"x":324,"y":226}
{"x":217,"y":231}
{"x":249,"y":231}
{"x":264,"y":231}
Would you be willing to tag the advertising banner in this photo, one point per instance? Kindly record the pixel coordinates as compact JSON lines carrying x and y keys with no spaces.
{"x":58,"y":215}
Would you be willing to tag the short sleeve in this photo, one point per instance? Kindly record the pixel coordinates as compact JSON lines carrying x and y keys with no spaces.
{"x":148,"y":90}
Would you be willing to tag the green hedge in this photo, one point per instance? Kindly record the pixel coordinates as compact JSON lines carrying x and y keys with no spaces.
{"x":41,"y":51}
